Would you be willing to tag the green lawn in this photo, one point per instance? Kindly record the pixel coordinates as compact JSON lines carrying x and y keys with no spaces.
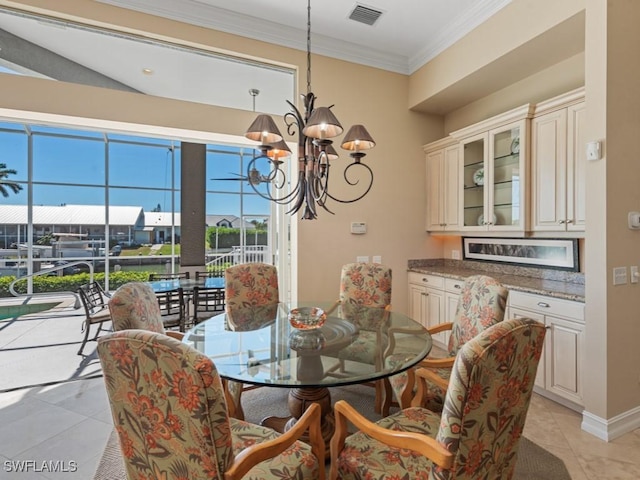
{"x":145,"y":251}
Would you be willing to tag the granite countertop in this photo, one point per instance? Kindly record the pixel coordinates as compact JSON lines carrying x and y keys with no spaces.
{"x":566,"y":290}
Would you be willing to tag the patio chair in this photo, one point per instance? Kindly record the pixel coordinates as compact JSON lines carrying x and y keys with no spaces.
{"x":482,"y":303}
{"x":207,"y":302}
{"x":173,"y":308}
{"x":174,"y":423}
{"x":94,"y":301}
{"x":209,"y":274}
{"x":477,"y":434}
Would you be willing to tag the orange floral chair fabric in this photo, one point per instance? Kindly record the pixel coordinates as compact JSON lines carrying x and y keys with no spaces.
{"x":477,"y":434}
{"x":169,"y":410}
{"x":365,"y":298}
{"x":365,"y":284}
{"x":251,"y":289}
{"x":482,"y":303}
{"x":251,"y":284}
{"x":134,"y":305}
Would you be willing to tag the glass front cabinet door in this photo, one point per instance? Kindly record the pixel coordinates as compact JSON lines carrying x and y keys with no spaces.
{"x":494,"y":179}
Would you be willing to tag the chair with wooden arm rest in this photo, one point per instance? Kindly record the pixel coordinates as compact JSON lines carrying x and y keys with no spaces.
{"x":175,"y":423}
{"x":482,"y":303}
{"x":475,"y":436}
{"x":419,"y":443}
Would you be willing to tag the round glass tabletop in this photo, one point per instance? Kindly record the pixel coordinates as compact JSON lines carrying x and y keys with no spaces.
{"x":258,"y":345}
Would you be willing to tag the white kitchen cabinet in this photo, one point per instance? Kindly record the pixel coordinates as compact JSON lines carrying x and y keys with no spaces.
{"x":443,"y":186}
{"x":494,"y":157}
{"x":560,"y":373}
{"x":558,"y":164}
{"x":452,"y":289}
{"x":433,"y":300}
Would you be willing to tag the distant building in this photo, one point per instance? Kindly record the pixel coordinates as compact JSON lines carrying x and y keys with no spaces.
{"x":128,"y":225}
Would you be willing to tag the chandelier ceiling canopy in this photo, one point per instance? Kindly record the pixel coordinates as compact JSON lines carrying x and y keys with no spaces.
{"x":315,"y":128}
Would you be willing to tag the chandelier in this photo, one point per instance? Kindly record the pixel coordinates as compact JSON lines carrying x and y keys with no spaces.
{"x":315,"y":129}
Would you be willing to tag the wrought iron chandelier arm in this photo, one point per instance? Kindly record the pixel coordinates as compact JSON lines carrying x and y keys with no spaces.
{"x":315,"y":127}
{"x":354,"y":183}
{"x":271,"y":178}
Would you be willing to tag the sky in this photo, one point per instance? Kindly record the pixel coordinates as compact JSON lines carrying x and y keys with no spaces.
{"x":69,"y":168}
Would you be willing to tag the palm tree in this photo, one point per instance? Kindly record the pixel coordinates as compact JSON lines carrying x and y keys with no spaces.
{"x":5,"y":183}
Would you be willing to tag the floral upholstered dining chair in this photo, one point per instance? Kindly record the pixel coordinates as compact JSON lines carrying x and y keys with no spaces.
{"x":482,"y":303}
{"x":365,"y":300}
{"x":476,"y":435}
{"x":251,"y":284}
{"x":134,"y":305}
{"x":169,"y":411}
{"x":251,"y":294}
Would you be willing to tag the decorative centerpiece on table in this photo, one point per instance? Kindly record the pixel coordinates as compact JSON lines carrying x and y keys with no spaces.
{"x":307,"y":318}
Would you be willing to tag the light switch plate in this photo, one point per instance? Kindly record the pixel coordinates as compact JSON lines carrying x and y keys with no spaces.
{"x":358,"y":228}
{"x":620,"y":275}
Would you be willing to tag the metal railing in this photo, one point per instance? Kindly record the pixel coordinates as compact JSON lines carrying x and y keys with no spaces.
{"x":49,"y":271}
{"x":238,"y":255}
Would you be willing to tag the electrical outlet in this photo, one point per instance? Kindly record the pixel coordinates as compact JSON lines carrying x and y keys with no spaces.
{"x":377,"y":259}
{"x":362,"y":259}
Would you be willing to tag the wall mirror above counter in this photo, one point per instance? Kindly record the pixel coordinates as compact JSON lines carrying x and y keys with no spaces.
{"x":512,"y":174}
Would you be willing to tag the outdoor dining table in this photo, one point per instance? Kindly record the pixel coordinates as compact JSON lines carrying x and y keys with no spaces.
{"x":187,"y":284}
{"x":259,"y":346}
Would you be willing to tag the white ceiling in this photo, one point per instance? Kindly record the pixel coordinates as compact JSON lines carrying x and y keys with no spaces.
{"x":407,"y":35}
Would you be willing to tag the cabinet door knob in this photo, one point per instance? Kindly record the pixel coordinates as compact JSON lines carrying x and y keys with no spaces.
{"x":425,"y":280}
{"x":561,"y":222}
{"x":543,"y":305}
{"x":458,"y":286}
{"x":570,"y":221}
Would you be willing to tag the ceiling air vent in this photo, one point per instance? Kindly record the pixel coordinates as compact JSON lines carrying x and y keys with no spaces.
{"x":366,"y":15}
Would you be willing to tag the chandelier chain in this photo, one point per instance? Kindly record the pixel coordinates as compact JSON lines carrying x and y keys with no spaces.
{"x":308,"y":46}
{"x":315,"y":128}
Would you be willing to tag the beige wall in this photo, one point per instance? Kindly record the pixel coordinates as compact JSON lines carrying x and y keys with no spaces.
{"x":394,"y":210}
{"x":612,"y":70}
{"x":522,"y":39}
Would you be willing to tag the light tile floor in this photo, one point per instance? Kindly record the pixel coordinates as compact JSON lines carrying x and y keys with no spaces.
{"x":66,"y":426}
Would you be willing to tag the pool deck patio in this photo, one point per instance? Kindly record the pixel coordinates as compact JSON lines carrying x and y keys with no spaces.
{"x":41,"y":347}
{"x":53,"y":404}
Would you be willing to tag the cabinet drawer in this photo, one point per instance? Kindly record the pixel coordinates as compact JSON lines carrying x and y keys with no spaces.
{"x":547,"y":305}
{"x":453,"y":286}
{"x":432,"y":281}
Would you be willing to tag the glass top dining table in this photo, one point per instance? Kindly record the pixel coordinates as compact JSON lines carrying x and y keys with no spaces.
{"x":260,"y":346}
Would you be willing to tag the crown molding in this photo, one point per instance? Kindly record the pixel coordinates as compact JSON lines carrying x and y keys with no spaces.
{"x":208,"y":16}
{"x":230,"y":22}
{"x":454,"y":31}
